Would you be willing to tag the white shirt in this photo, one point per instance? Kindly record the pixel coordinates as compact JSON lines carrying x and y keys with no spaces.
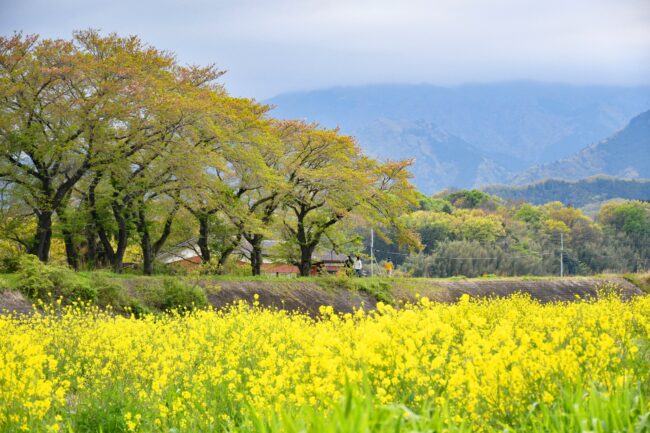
{"x":358,"y":264}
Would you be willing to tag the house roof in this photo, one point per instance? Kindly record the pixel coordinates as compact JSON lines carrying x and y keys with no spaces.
{"x":328,"y":256}
{"x":188,"y":249}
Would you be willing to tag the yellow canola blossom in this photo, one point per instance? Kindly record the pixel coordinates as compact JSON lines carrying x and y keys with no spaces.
{"x":486,"y":359}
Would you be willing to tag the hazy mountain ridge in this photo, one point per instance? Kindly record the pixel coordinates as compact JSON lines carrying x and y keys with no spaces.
{"x":470,"y":135}
{"x":578,"y":193}
{"x":441,"y":158}
{"x":625,"y":154}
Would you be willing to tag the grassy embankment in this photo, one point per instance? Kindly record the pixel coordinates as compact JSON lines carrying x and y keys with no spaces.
{"x":130,"y":293}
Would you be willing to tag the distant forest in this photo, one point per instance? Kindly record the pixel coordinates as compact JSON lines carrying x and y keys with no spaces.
{"x":472,"y":233}
{"x":578,"y":194}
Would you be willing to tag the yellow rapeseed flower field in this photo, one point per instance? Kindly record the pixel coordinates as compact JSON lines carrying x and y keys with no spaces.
{"x":485,"y":362}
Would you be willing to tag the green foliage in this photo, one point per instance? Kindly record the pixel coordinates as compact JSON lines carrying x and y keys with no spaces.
{"x":642,"y":281}
{"x":433,"y":204}
{"x":163,"y":143}
{"x":9,"y":262}
{"x":632,"y":217}
{"x":461,"y":224}
{"x":233,"y":267}
{"x":578,"y":193}
{"x":473,"y":259}
{"x":529,"y":214}
{"x":105,"y":414}
{"x":379,"y":288}
{"x":109,"y":291}
{"x":439,"y":205}
{"x":137,"y":308}
{"x":175,"y":294}
{"x":523,"y":239}
{"x":331,"y":181}
{"x":468,"y":199}
{"x":49,"y":282}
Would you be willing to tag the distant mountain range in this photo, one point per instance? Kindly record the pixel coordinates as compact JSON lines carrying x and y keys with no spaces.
{"x":625,"y":154}
{"x":473,"y":135}
{"x":441,"y":158}
{"x":580,"y":193}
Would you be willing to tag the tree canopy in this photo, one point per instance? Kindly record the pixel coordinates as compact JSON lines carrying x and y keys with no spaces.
{"x":109,"y":144}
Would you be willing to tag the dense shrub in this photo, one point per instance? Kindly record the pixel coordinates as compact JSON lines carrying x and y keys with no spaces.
{"x":178,"y":294}
{"x":47,"y":282}
{"x":174,"y":294}
{"x":9,"y":263}
{"x":109,"y":292}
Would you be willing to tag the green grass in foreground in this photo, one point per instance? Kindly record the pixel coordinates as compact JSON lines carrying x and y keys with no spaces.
{"x":578,"y":410}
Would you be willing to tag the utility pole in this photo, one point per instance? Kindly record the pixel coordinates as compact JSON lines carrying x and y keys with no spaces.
{"x":561,"y":254}
{"x":372,"y":252}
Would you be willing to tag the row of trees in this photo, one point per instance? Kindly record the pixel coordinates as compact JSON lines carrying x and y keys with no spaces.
{"x":107,"y":143}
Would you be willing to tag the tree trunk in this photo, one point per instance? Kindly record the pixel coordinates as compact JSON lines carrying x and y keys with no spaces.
{"x":167,"y":230}
{"x":149,"y":250}
{"x":254,"y":264}
{"x":43,"y":238}
{"x":118,"y":258}
{"x":122,"y":238}
{"x":306,"y":245}
{"x":204,"y":232}
{"x":91,"y":247}
{"x":257,"y":256}
{"x":145,"y":244}
{"x":147,"y":264}
{"x":256,"y":253}
{"x":71,"y":251}
{"x":306,"y":252}
{"x":108,"y":252}
{"x":224,"y":258}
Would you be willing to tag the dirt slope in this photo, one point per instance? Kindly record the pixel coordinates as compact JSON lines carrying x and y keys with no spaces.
{"x":544,"y":290}
{"x":12,"y":301}
{"x":305,"y":296}
{"x":309,"y":295}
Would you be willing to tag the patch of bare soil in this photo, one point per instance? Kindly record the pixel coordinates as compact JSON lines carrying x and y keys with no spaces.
{"x":15,"y":302}
{"x":307,"y":296}
{"x":303,"y":296}
{"x":551,"y":290}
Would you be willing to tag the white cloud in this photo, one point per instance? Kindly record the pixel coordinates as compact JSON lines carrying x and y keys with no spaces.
{"x":273,"y":46}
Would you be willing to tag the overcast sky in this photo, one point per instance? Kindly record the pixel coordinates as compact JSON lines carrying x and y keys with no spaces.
{"x":269,"y":46}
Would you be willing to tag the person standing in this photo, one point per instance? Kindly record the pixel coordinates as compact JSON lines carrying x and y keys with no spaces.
{"x":358,"y":266}
{"x":388,"y":266}
{"x":349,"y":263}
